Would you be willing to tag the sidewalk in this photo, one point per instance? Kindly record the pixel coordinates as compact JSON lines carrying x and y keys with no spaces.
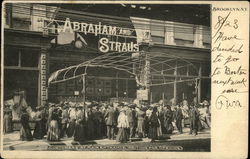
{"x":12,"y":142}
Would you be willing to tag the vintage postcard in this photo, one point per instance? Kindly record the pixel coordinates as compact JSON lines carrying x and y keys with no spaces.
{"x":124,"y":79}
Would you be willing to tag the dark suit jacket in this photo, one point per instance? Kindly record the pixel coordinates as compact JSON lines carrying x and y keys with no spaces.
{"x":111,"y":117}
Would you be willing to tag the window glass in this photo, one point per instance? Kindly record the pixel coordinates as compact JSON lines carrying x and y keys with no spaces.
{"x":11,"y":57}
{"x":29,"y":59}
{"x":157,"y":39}
{"x":21,"y":16}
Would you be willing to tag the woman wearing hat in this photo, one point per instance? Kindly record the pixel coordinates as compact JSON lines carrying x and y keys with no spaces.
{"x":140,"y":122}
{"x":79,"y":128}
{"x":40,"y":129}
{"x":53,"y":130}
{"x":25,"y":132}
{"x":153,"y":125}
{"x":123,"y":124}
{"x":7,"y":121}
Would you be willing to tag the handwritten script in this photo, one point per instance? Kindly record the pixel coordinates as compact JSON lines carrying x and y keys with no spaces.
{"x":229,"y":75}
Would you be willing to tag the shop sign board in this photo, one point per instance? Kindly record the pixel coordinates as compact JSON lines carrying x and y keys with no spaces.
{"x":106,"y":45}
{"x":142,"y":94}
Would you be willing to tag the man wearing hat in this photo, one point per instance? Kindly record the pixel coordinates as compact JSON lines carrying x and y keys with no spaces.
{"x":178,"y":118}
{"x":65,"y":119}
{"x":130,"y":112}
{"x":110,"y":122}
{"x":194,"y":119}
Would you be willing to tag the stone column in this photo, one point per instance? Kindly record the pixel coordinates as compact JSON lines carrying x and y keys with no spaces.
{"x":43,"y":77}
{"x":198,"y":39}
{"x":169,"y":33}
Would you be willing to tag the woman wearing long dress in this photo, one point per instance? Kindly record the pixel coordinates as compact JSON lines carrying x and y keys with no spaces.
{"x":53,"y":130}
{"x":140,"y":123}
{"x":168,"y":116}
{"x":40,"y":129}
{"x":72,"y":122}
{"x":90,"y":124}
{"x":79,"y":127}
{"x":7,"y":121}
{"x":25,"y":132}
{"x":123,"y":124}
{"x":153,"y":125}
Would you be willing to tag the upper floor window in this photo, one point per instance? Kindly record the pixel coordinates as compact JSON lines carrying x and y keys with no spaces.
{"x":157,"y":29}
{"x":27,"y":16}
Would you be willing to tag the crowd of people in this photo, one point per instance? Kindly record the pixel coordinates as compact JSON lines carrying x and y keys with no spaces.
{"x":116,"y":121}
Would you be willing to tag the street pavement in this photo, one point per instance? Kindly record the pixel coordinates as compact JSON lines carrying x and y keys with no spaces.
{"x":174,"y":142}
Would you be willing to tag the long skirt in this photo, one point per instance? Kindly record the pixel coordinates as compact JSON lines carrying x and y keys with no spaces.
{"x":79,"y":132}
{"x":140,"y":128}
{"x":122,"y":135}
{"x":152,"y":132}
{"x":7,"y":124}
{"x":71,"y":128}
{"x":146,"y":123}
{"x":159,"y":129}
{"x":40,"y":130}
{"x":25,"y":133}
{"x":90,"y":129}
{"x":53,"y":132}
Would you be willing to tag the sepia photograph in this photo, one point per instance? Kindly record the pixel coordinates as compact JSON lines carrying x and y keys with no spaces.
{"x":106,"y":77}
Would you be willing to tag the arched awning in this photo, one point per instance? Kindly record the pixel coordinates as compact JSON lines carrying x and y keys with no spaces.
{"x":149,"y":68}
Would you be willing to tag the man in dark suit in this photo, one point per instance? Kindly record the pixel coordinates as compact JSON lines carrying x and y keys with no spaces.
{"x":110,"y":122}
{"x":131,"y":114}
{"x":194,"y":119}
{"x":179,"y":117}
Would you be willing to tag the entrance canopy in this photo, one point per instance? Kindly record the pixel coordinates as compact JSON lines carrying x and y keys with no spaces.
{"x":148,"y":68}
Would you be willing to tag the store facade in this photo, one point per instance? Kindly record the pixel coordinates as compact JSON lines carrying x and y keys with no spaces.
{"x":34,"y":50}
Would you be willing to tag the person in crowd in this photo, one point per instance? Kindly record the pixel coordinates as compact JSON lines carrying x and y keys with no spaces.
{"x":7,"y":120}
{"x":110,"y":122}
{"x":116,"y":118}
{"x":59,"y":113}
{"x":148,"y":114}
{"x":131,"y":114}
{"x":123,"y":124}
{"x":207,"y":112}
{"x":161,"y":111}
{"x":140,"y":115}
{"x":178,"y":118}
{"x":168,"y":117}
{"x":90,"y":123}
{"x":65,"y":120}
{"x":185,"y":112}
{"x":194,"y":118}
{"x":53,"y":130}
{"x":203,"y":113}
{"x":72,"y":118}
{"x":51,"y":109}
{"x":25,"y":132}
{"x":159,"y":128}
{"x":153,"y":124}
{"x":98,"y":122}
{"x":103,"y":123}
{"x":80,"y":131}
{"x":40,"y":129}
